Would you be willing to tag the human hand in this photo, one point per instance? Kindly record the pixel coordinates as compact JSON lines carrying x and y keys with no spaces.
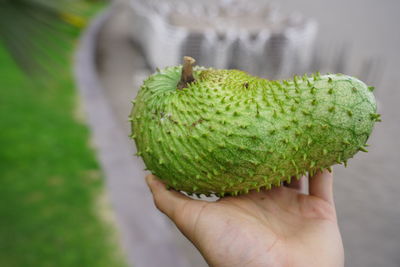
{"x":277,"y":227}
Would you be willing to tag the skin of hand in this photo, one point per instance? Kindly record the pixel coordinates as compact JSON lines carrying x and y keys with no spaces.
{"x":279,"y":227}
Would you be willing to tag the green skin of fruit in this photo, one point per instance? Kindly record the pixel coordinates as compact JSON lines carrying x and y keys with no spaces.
{"x":228,"y":132}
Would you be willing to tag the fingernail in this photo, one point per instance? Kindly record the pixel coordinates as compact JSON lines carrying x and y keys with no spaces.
{"x":152,"y":181}
{"x":149,"y":180}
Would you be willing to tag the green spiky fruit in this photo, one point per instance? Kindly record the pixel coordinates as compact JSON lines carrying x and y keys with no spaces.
{"x":227,"y":132}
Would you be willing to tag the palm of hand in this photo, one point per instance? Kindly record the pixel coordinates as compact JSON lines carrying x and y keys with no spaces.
{"x":279,"y":227}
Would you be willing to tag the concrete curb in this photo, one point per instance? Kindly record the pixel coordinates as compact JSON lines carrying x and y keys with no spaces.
{"x":146,"y":234}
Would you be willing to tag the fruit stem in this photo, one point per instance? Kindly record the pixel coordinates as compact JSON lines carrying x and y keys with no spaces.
{"x":187,"y":72}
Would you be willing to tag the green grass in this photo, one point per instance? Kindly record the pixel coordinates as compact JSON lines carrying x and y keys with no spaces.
{"x":49,"y":180}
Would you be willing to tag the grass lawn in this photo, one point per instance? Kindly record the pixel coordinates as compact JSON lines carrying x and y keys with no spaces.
{"x":50,"y":182}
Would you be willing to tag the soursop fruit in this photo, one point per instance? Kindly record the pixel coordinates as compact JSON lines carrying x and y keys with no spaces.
{"x":225,"y":132}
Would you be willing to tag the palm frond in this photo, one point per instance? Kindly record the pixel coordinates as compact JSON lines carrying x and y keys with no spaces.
{"x":36,"y":31}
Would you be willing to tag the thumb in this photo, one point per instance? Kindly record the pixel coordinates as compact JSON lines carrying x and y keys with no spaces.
{"x":167,"y":201}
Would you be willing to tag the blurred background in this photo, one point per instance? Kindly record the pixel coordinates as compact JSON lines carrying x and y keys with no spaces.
{"x":72,"y":193}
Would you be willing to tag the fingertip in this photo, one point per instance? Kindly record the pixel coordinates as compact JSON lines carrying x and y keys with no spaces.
{"x":165,"y":200}
{"x":155,"y":184}
{"x":325,"y":173}
{"x":150,"y":179}
{"x":321,"y":185}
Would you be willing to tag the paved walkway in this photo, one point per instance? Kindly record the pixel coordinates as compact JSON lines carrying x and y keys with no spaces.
{"x":367,"y":193}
